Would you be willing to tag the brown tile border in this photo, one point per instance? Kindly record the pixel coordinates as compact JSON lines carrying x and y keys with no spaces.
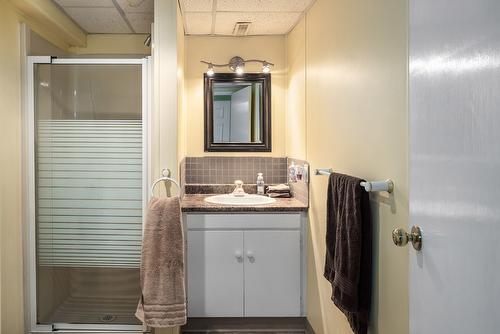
{"x":225,"y":170}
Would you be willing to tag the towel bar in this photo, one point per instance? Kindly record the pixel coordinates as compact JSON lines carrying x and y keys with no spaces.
{"x":387,"y":185}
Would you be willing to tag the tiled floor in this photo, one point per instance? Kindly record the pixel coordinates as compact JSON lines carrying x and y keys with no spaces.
{"x":246,"y":326}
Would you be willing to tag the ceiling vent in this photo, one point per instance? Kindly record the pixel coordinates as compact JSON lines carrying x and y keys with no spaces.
{"x":241,"y":28}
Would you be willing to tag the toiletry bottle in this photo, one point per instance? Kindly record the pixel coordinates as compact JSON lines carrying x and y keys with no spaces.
{"x":306,"y":173}
{"x":291,"y":173}
{"x":260,"y":184}
{"x":298,"y":172}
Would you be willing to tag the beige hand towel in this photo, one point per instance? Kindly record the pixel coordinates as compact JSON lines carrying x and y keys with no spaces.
{"x":163,"y":302}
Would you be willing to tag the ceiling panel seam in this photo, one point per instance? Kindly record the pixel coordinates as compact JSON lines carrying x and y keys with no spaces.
{"x":182,"y":10}
{"x":214,"y":15}
{"x":74,"y":21}
{"x":278,"y":20}
{"x":123,"y":15}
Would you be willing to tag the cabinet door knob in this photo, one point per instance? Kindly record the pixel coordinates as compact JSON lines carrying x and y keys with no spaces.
{"x":250,"y":255}
{"x":238,"y":255}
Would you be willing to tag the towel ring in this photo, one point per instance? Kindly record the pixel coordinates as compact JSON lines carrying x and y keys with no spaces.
{"x":163,"y":178}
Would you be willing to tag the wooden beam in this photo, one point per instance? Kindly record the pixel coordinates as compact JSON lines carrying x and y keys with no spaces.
{"x":46,"y":14}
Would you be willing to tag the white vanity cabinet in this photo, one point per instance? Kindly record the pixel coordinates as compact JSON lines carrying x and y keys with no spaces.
{"x":245,"y":264}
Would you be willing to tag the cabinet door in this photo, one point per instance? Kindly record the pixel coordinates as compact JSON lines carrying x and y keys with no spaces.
{"x":272,"y":273}
{"x":215,"y":273}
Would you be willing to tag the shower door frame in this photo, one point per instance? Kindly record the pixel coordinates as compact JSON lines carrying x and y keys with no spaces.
{"x":30,"y":270}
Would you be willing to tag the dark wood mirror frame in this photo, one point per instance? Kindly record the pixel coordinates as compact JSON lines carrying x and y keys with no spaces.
{"x":265,"y":145}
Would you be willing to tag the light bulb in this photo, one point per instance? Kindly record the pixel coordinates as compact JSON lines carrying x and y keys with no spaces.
{"x":239,"y":70}
{"x":210,"y":70}
{"x":266,"y":68}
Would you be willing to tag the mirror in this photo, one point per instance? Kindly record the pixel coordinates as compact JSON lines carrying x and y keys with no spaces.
{"x":238,"y":112}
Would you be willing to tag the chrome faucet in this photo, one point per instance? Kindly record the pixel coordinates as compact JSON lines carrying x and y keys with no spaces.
{"x":238,"y":191}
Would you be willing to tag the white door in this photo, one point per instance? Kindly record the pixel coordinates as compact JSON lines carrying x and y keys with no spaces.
{"x":222,"y":121}
{"x":272,"y":273}
{"x":215,"y":273}
{"x":240,"y":115}
{"x":455,"y":165}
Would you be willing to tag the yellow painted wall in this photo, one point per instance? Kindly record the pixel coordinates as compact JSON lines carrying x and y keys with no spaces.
{"x":181,"y":89}
{"x":105,"y":44}
{"x":350,"y":59}
{"x":220,"y":50}
{"x":39,"y":46}
{"x":11,"y":206}
{"x":164,"y":119}
{"x":168,"y":50}
{"x":11,"y":253}
{"x":296,"y":120}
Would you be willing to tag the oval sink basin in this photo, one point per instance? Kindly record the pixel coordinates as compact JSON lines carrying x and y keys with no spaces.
{"x":248,"y":199}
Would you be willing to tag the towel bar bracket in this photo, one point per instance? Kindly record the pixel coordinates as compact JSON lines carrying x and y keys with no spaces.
{"x":323,"y":171}
{"x":387,"y":185}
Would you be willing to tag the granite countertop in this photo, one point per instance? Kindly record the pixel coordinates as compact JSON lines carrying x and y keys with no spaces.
{"x":196,"y":203}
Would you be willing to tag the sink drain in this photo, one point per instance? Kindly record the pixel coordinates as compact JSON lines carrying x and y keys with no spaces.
{"x":108,"y":318}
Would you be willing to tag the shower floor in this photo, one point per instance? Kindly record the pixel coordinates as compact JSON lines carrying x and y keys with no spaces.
{"x":81,"y":310}
{"x":89,"y":295}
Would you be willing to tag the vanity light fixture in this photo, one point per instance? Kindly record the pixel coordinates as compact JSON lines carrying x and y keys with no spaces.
{"x":210,"y":70}
{"x":266,"y":67}
{"x":237,"y":65}
{"x":240,"y":69}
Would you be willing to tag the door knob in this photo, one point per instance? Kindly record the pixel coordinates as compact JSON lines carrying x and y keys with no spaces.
{"x":401,"y":237}
{"x":239,"y":256}
{"x":250,"y":256}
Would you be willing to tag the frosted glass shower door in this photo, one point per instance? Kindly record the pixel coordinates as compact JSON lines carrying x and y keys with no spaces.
{"x":89,"y":192}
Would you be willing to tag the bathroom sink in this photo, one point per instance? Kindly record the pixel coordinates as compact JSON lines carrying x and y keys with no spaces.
{"x":248,"y":199}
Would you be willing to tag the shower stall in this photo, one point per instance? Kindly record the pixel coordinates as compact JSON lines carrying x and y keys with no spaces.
{"x":87,"y":182}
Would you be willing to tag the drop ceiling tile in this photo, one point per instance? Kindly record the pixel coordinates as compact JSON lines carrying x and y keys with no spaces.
{"x":262,"y":23}
{"x":85,"y":3}
{"x":141,"y":22}
{"x":198,"y":23}
{"x":98,"y":20}
{"x":197,"y":5}
{"x":137,"y":6}
{"x":263,"y":5}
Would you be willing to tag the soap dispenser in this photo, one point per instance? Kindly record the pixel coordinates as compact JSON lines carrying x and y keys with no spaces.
{"x":260,"y":184}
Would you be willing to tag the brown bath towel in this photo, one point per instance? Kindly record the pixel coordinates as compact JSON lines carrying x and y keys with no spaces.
{"x":349,"y":249}
{"x":163,"y":302}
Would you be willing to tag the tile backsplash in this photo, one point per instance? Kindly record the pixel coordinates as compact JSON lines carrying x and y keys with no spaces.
{"x":225,"y":170}
{"x":199,"y":175}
